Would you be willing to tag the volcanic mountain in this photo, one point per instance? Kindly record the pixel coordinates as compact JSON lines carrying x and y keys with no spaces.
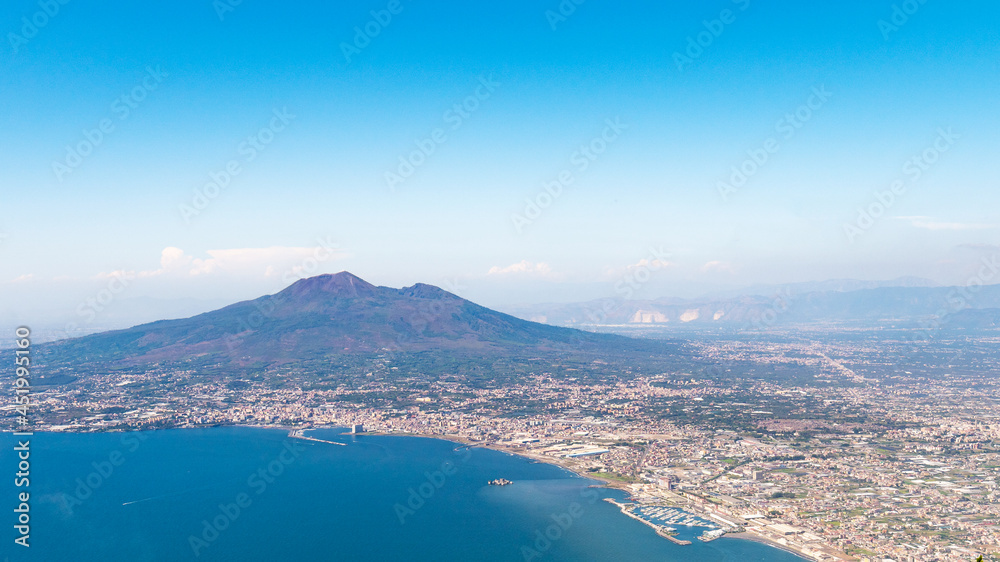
{"x":320,"y":319}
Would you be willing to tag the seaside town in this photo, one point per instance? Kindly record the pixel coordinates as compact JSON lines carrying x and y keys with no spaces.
{"x":849,"y":456}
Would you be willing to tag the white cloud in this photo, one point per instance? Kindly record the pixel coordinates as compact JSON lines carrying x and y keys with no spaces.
{"x":119,"y":273}
{"x":244,"y":262}
{"x":651,"y":264}
{"x":525,"y":268}
{"x":717,"y":267}
{"x":23,"y":278}
{"x":648,"y":264}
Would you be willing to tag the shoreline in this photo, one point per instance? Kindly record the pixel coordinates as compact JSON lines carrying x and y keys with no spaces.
{"x":748,"y":536}
{"x":604,"y":483}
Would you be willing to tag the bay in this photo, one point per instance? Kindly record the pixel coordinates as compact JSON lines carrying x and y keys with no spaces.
{"x":239,"y":493}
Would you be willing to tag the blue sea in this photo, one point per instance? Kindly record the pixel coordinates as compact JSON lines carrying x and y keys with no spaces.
{"x":235,"y":493}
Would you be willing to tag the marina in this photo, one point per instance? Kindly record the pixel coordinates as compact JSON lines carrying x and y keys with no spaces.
{"x":672,"y":515}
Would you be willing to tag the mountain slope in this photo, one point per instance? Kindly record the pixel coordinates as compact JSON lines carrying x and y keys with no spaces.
{"x":336,"y":315}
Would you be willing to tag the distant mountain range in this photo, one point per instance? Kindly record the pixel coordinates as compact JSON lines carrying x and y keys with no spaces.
{"x":915,"y":305}
{"x":836,"y":285}
{"x":321,"y":320}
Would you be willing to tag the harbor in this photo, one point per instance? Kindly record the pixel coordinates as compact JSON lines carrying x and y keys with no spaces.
{"x":662,"y":530}
{"x":673,"y":516}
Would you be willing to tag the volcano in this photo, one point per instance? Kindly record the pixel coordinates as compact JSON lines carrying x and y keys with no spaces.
{"x":331,"y":317}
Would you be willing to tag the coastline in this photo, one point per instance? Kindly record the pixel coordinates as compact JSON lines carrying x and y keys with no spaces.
{"x":564,"y":464}
{"x":748,"y":536}
{"x":605,"y":483}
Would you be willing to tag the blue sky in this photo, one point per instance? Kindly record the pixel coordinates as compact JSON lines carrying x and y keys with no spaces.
{"x":197,"y":86}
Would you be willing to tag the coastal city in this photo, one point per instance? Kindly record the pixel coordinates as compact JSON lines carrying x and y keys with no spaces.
{"x":551,"y":281}
{"x":848,"y":455}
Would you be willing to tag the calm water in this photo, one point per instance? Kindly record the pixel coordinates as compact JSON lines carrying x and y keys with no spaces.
{"x":148,"y":496}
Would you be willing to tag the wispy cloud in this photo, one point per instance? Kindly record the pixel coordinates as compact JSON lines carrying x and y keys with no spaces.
{"x":929,"y":223}
{"x":650,"y":264}
{"x":717,"y":267}
{"x":263,"y":262}
{"x":524,"y":268}
{"x":980,"y":247}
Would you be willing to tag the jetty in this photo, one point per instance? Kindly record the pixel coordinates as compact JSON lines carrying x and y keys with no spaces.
{"x":300,"y":434}
{"x":670,"y":537}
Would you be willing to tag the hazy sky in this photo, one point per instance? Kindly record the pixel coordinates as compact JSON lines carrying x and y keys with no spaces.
{"x":117,"y":116}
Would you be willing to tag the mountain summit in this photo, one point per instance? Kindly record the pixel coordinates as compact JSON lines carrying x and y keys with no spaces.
{"x":343,"y":284}
{"x":326,"y":318}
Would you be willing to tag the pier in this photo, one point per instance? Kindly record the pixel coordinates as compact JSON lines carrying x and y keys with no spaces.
{"x":674,"y":539}
{"x":299,"y":434}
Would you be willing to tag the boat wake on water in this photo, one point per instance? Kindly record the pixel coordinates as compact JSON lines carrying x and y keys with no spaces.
{"x":167,"y":495}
